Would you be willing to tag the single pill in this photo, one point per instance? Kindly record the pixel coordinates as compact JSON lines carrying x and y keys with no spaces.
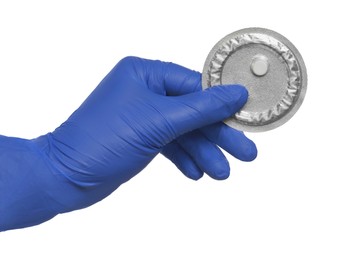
{"x":259,"y":65}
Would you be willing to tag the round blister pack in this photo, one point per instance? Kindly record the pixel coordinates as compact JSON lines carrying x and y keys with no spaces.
{"x":269,"y":66}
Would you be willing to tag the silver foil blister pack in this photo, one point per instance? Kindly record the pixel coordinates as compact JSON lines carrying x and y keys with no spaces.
{"x":269,"y":66}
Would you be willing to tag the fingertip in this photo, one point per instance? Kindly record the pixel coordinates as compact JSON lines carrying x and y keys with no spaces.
{"x":238,"y":88}
{"x":233,"y":97}
{"x":219,"y":170}
{"x":239,"y":92}
{"x":194,"y":175}
{"x":188,"y":167}
{"x":231,"y":140}
{"x":220,"y":176}
{"x":247,"y":152}
{"x":182,"y":160}
{"x":251,"y":152}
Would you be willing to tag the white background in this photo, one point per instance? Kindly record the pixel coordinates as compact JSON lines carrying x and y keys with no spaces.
{"x":284,"y":205}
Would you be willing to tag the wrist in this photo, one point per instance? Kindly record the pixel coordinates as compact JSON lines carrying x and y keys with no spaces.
{"x":25,"y":187}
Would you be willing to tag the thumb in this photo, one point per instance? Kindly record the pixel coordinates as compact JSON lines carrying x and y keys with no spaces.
{"x":196,"y":110}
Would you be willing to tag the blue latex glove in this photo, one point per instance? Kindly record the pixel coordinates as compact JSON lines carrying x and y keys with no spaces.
{"x":141,"y":108}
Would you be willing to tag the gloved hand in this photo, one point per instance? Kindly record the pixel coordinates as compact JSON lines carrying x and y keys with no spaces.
{"x":141,"y":108}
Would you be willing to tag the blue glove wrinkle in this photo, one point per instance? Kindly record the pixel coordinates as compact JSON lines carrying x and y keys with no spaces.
{"x":177,"y":84}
